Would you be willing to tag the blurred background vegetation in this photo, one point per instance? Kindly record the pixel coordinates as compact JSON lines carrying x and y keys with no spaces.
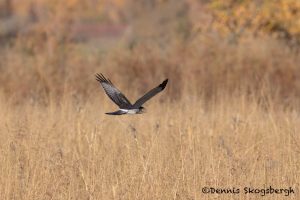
{"x":52,"y":48}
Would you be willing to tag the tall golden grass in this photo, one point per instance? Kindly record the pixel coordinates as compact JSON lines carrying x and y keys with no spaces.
{"x":229,"y":116}
{"x":74,"y":151}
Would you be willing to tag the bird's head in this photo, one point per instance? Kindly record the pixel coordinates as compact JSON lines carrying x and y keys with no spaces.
{"x":141,"y":110}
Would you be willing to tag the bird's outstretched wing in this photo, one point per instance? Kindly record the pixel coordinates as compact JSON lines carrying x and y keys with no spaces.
{"x":112,"y":92}
{"x":150,"y":94}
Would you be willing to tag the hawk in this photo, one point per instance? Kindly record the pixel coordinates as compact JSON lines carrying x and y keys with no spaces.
{"x":124,"y":104}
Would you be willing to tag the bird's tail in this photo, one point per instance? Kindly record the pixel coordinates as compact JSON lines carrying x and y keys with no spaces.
{"x":118,"y":112}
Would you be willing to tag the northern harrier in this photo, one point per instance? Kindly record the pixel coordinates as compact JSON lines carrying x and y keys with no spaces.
{"x":124,"y":104}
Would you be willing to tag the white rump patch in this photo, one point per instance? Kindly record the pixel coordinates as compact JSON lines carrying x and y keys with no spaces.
{"x":131,"y":111}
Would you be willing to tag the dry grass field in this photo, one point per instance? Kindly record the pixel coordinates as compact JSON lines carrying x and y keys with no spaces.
{"x":71,"y":152}
{"x":172,"y":152}
{"x":229,"y":117}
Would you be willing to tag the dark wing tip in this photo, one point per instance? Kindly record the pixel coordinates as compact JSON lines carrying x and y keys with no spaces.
{"x":163,"y":84}
{"x":101,"y":78}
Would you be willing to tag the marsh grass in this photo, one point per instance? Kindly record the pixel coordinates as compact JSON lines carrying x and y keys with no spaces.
{"x":74,"y":151}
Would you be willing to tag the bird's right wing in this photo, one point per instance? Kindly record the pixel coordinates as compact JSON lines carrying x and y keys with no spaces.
{"x":150,"y":94}
{"x":112,"y":92}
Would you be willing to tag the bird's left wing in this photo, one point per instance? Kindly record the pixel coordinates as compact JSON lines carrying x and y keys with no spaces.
{"x":112,"y":92}
{"x":150,"y":94}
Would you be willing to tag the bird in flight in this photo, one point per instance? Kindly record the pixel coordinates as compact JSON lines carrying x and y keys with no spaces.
{"x":124,"y":104}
